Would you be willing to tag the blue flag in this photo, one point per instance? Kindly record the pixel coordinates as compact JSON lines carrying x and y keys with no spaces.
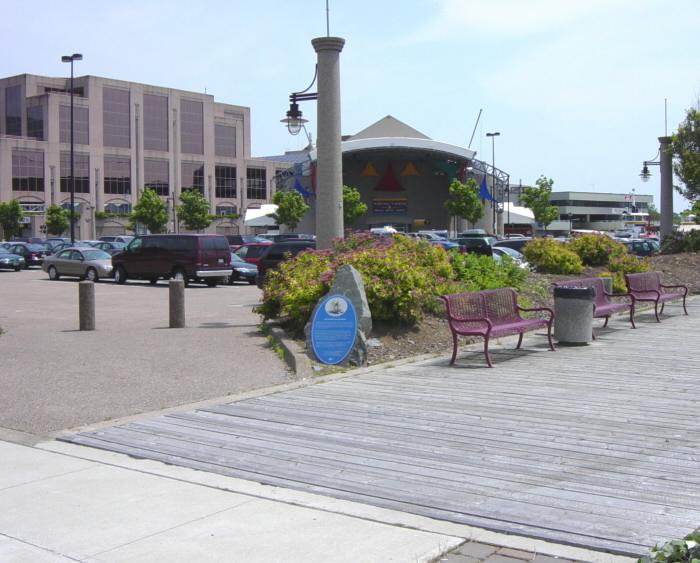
{"x":298,"y":187}
{"x":484,"y":191}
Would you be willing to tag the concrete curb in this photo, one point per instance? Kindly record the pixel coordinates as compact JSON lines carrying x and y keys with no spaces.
{"x":295,"y":357}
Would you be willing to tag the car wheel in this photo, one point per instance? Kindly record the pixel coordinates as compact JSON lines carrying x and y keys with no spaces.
{"x":211,"y":282}
{"x":153,"y":281}
{"x":53,"y":273}
{"x":252,"y":282}
{"x":91,"y":275}
{"x":119,"y":275}
{"x":18,"y":268}
{"x":179,"y":274}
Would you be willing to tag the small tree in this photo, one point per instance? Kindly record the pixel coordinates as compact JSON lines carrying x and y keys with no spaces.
{"x":194,"y":211}
{"x":464,"y":201}
{"x":291,"y":207}
{"x":150,"y":211}
{"x":353,"y":207}
{"x":695,"y":210}
{"x":56,"y":219}
{"x":10,"y":216}
{"x":685,"y":148}
{"x":536,"y":198}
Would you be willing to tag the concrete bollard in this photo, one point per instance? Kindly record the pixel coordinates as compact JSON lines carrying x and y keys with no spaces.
{"x":177,"y":304}
{"x":86,"y":305}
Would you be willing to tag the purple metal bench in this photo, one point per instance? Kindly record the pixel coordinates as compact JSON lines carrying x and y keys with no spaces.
{"x":603,"y":307}
{"x":647,"y":286}
{"x":491,"y":313}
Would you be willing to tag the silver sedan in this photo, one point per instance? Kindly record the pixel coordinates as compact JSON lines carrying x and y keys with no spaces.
{"x":87,"y":263}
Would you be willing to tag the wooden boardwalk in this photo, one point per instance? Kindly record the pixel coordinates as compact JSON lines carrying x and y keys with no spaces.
{"x":596,"y":446}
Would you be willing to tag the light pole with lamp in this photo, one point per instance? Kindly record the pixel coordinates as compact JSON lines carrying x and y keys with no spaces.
{"x":329,"y":159}
{"x":493,"y":177}
{"x":666,"y":188}
{"x":70,"y":59}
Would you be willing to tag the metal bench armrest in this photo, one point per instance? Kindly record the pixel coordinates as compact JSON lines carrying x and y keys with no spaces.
{"x":537,"y":309}
{"x":683,"y":287}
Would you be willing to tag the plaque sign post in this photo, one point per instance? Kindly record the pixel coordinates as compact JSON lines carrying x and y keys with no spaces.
{"x":333,"y":329}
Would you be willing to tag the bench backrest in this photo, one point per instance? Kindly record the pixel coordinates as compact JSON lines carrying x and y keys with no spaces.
{"x":595,"y":283}
{"x":499,"y":305}
{"x":644,"y":281}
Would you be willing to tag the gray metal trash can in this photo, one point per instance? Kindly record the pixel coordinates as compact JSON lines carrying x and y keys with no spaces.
{"x":573,"y":314}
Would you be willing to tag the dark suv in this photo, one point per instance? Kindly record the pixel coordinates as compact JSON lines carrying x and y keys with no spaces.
{"x":278,"y":251}
{"x":201,"y":258}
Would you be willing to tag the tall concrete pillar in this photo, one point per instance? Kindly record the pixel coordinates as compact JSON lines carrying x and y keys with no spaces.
{"x":666,"y":195}
{"x":329,"y":172}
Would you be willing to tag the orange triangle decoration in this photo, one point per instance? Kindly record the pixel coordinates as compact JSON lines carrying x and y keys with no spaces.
{"x":410,"y":170}
{"x":369,"y":170}
{"x":388,"y":182}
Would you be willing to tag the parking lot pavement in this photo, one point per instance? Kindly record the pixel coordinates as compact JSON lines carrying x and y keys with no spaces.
{"x":54,"y":377}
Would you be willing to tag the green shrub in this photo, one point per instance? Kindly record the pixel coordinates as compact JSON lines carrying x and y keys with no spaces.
{"x":596,"y":250}
{"x":686,"y":550}
{"x":681,"y":242}
{"x":550,"y":256}
{"x":476,"y":272}
{"x":625,"y":264}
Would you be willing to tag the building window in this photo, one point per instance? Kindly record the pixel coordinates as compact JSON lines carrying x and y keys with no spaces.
{"x":117,"y":175}
{"x":81,"y":172}
{"x":157,"y":175}
{"x":27,"y":171}
{"x":13,"y":110}
{"x":116,"y":118}
{"x":257,"y":184}
{"x":155,"y":122}
{"x":225,"y":140}
{"x":35,"y":122}
{"x":192,"y":177}
{"x":192,"y":127}
{"x":118,"y":208}
{"x":80,"y":125}
{"x":225,"y":182}
{"x":226,"y":210}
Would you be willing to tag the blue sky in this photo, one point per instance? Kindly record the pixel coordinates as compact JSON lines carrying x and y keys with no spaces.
{"x":576,"y":88}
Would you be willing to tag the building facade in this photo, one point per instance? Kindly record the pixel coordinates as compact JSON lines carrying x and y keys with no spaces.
{"x":602,"y":211}
{"x":127,"y":137}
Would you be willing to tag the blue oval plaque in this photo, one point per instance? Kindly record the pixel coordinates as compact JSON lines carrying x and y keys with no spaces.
{"x":333,"y":329}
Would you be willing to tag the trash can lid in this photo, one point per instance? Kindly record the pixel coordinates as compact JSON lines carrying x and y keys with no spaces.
{"x":586,"y":293}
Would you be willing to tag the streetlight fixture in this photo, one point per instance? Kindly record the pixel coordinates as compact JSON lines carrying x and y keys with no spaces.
{"x":70,"y":59}
{"x":666,"y":187}
{"x":493,"y":177}
{"x":294,"y":120}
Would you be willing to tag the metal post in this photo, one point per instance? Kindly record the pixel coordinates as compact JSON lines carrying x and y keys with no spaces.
{"x":494,"y":202}
{"x":329,"y":174}
{"x":666,"y":195}
{"x":177,"y":303}
{"x":86,"y":305}
{"x":72,"y":162}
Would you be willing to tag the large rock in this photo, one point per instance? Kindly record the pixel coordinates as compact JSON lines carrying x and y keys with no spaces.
{"x":348,"y":282}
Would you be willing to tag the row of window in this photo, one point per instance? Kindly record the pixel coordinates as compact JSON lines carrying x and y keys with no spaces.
{"x":28,"y":175}
{"x":587,"y":203}
{"x":116,"y":122}
{"x":122,"y":208}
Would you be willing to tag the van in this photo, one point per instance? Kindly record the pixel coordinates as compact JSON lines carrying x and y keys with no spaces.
{"x":200,"y":258}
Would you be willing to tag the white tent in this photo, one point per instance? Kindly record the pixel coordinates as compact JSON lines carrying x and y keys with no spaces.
{"x":518,"y":215}
{"x":260,"y":217}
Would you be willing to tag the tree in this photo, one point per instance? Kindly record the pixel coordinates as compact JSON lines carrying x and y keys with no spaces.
{"x":291,"y":207}
{"x":464,"y":201}
{"x":194,"y":211}
{"x":56,"y":219}
{"x":151,"y":212}
{"x":654,"y":214}
{"x":695,"y":210}
{"x":353,"y":207}
{"x":10,"y":216}
{"x":685,"y":148}
{"x":536,"y":198}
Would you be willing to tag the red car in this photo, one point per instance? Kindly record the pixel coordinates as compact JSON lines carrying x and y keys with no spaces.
{"x":252,"y":251}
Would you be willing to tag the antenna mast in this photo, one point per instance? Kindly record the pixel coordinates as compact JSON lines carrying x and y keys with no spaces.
{"x":475,"y":126}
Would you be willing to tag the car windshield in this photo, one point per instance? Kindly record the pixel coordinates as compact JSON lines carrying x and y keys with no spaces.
{"x":36,"y":247}
{"x":96,"y":255}
{"x":511,"y":252}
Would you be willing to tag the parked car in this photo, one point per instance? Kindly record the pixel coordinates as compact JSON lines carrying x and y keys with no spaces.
{"x":5,"y":245}
{"x":62,"y":246}
{"x":474,"y":245}
{"x":52,"y":242}
{"x":514,"y":255}
{"x":275,"y":253}
{"x":126,"y":239}
{"x":236,"y":241}
{"x":33,"y":254}
{"x":515,"y":243}
{"x":85,"y":263}
{"x":110,"y":248}
{"x":200,"y":258}
{"x":437,"y":240}
{"x":641,"y":247}
{"x":252,"y":251}
{"x":10,"y":261}
{"x":242,"y":270}
{"x":287,"y":236}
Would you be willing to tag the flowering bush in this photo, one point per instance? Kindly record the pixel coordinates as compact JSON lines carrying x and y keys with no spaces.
{"x":550,"y":256}
{"x":681,"y":242}
{"x":625,"y":264}
{"x":477,"y":272}
{"x":596,"y":250}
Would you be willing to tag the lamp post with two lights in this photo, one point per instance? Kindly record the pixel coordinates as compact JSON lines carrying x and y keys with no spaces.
{"x":70,"y":59}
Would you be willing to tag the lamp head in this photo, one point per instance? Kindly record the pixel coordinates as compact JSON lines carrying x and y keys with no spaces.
{"x":66,"y":59}
{"x":645,"y":174}
{"x":495,"y":134}
{"x":294,"y":120}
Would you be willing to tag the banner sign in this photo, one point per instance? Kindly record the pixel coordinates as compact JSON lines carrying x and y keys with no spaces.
{"x":390,"y":206}
{"x":333,"y":329}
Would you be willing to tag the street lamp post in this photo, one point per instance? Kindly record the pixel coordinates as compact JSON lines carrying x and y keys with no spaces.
{"x":666,"y":188}
{"x":70,"y":59}
{"x":493,"y":177}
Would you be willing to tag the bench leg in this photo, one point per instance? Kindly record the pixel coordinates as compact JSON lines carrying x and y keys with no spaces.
{"x":632,"y":316}
{"x":661,"y":311}
{"x":520,"y":341}
{"x":656,"y":311}
{"x":607,"y":318}
{"x":686,"y":310}
{"x":549,"y":337}
{"x":454,"y":348}
{"x":486,"y":351}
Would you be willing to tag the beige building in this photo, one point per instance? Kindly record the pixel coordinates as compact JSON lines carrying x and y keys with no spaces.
{"x":127,"y":137}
